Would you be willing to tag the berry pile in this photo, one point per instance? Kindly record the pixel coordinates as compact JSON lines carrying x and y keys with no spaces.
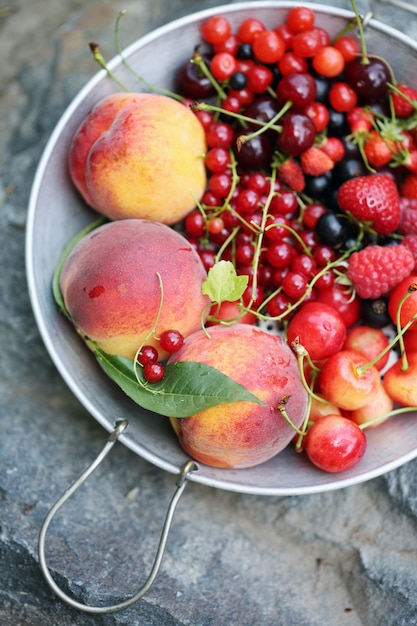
{"x":312,"y":193}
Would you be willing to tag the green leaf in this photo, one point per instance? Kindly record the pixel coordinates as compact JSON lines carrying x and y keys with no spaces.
{"x":223,"y":284}
{"x":187,"y":388}
{"x":56,"y":286}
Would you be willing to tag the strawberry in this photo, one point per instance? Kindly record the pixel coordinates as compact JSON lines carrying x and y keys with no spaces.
{"x":372,"y":199}
{"x":290,"y":173}
{"x":378,"y":151}
{"x":409,"y":186}
{"x":359,"y":120}
{"x":408,"y":216}
{"x":375,"y":270}
{"x":315,"y":162}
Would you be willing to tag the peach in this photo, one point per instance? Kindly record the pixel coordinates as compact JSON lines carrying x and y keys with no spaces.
{"x":110,"y":285}
{"x":243,"y":434}
{"x":139,"y":155}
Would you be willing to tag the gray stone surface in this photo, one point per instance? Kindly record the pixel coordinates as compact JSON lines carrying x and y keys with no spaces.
{"x":344,"y":558}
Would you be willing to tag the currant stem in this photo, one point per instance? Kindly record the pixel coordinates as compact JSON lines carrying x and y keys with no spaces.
{"x":150,"y":333}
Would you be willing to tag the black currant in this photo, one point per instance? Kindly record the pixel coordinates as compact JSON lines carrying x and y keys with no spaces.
{"x":375,"y":312}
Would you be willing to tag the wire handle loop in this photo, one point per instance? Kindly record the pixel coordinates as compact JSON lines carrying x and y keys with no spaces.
{"x":181,"y":482}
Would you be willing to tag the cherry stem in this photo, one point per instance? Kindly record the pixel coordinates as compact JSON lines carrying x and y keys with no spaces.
{"x":359,"y":25}
{"x":198,"y":60}
{"x":386,"y":416}
{"x":140,"y":78}
{"x":281,"y":408}
{"x":203,"y":106}
{"x":98,"y":57}
{"x":404,"y":360}
{"x":398,"y":338}
{"x":267,"y":125}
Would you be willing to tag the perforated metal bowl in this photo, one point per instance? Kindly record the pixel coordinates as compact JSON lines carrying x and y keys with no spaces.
{"x":56,"y":213}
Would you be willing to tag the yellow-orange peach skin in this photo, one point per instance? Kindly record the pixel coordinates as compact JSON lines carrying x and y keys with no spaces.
{"x":110,"y":285}
{"x":243,"y":434}
{"x":139,"y":155}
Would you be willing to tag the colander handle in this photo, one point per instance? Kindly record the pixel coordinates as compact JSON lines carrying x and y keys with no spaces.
{"x":181,"y":482}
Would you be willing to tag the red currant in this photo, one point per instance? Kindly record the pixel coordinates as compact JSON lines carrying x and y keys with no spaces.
{"x":171,"y":340}
{"x":147,"y":354}
{"x":216,"y":29}
{"x":153,"y":372}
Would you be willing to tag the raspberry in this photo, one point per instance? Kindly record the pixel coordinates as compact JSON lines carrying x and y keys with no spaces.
{"x":411,"y":242}
{"x":408,"y":216}
{"x":376,"y":270}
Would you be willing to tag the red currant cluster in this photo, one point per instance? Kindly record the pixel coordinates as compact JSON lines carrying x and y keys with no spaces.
{"x":287,"y":128}
{"x":148,"y":356}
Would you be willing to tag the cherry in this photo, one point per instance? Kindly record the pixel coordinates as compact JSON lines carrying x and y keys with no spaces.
{"x":335,"y":443}
{"x":401,"y":383}
{"x":319,"y":328}
{"x":368,"y":341}
{"x":375,"y":412}
{"x":347,"y":380}
{"x":193,"y":83}
{"x":299,"y":88}
{"x":369,"y":79}
{"x":297,"y":135}
{"x":341,"y":299}
{"x":409,"y":307}
{"x":254,"y":153}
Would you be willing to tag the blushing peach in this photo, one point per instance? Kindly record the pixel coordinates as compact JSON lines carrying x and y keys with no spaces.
{"x":243,"y":434}
{"x":110,"y":286}
{"x":139,"y":155}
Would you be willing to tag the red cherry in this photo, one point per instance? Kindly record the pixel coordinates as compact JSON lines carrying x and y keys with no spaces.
{"x":335,"y":443}
{"x":340,"y":299}
{"x":400,"y":384}
{"x":347,"y":381}
{"x":319,"y":328}
{"x":409,"y":307}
